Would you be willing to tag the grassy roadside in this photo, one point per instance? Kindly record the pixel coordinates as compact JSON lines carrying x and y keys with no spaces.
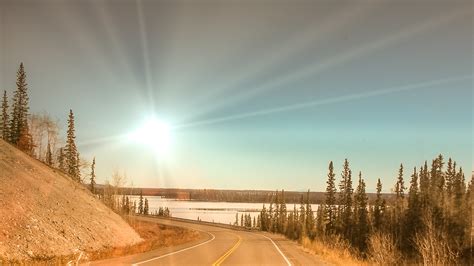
{"x":333,"y":251}
{"x":154,"y":236}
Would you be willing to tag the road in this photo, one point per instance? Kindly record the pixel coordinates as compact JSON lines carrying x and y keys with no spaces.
{"x":221,"y":246}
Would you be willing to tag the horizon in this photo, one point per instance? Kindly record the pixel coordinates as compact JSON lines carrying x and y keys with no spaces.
{"x":254,"y":97}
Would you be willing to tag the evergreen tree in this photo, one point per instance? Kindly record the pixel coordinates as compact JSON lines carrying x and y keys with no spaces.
{"x":140,"y":203}
{"x":412,"y":223}
{"x":4,"y":119}
{"x":276,"y":213}
{"x":400,"y":185}
{"x":283,"y":213}
{"x":49,"y":155}
{"x":242,"y":220}
{"x":378,"y":215}
{"x":424,"y":185}
{"x":25,"y":143}
{"x":302,"y":231}
{"x":61,"y":160}
{"x":345,"y":201}
{"x":92,"y":179}
{"x":146,"y":208}
{"x":19,"y":119}
{"x":320,"y":216}
{"x":72,"y":164}
{"x":361,"y":199}
{"x":397,"y":214}
{"x":330,"y":208}
{"x":309,"y":218}
{"x":263,"y":219}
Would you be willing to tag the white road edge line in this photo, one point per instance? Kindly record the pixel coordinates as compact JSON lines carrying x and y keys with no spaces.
{"x":179,"y":251}
{"x":277,"y":248}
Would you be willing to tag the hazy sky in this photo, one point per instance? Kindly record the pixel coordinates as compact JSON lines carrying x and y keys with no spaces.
{"x":261,"y":94}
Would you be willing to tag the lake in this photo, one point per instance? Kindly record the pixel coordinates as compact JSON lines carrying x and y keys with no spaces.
{"x":217,"y":212}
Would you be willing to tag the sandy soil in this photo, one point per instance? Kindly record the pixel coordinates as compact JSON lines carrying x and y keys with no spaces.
{"x":44,"y":214}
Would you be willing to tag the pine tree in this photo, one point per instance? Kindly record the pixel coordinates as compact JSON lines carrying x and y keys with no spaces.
{"x":361,"y":199}
{"x":140,"y":203}
{"x":72,"y":166}
{"x":92,"y":179}
{"x":330,"y":208}
{"x":19,"y":119}
{"x":4,"y":119}
{"x":378,"y":208}
{"x":49,"y":155}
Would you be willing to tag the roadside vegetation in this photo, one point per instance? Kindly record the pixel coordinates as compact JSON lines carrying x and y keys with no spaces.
{"x":429,"y":222}
{"x":154,"y":236}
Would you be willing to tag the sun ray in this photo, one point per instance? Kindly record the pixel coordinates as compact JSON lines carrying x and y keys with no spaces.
{"x":293,"y":45}
{"x":344,"y":57}
{"x":314,"y":103}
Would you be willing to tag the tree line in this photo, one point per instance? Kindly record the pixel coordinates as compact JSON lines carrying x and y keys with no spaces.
{"x":26,"y":132}
{"x":429,"y":220}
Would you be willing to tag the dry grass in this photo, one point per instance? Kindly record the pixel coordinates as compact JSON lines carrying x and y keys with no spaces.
{"x":154,"y":235}
{"x":383,"y":251}
{"x":333,"y":250}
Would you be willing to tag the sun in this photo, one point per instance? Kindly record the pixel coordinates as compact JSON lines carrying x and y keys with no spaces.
{"x":153,"y":133}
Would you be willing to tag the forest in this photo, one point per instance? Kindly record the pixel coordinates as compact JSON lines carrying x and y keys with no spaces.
{"x":429,"y":222}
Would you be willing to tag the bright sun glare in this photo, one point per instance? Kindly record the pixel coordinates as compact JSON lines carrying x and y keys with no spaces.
{"x":153,"y":133}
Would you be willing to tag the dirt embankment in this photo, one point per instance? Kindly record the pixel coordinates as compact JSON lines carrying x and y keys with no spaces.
{"x":44,"y":214}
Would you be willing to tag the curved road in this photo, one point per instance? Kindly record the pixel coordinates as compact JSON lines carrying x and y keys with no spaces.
{"x":219,"y":245}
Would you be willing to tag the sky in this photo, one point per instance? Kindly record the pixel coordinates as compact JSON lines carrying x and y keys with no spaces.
{"x":257,"y":94}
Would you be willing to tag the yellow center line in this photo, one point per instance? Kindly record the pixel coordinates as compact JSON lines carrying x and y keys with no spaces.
{"x":227,"y":254}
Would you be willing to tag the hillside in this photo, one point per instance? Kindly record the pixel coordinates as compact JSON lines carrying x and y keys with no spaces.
{"x":44,"y":214}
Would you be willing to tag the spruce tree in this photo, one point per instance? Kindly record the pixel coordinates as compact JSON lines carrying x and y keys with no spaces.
{"x":4,"y":119}
{"x":92,"y":179}
{"x":345,"y":201}
{"x":72,"y":167}
{"x":310,"y":223}
{"x":283,"y":213}
{"x":330,"y":208}
{"x":263,"y":219}
{"x":361,"y":199}
{"x":397,"y":215}
{"x":412,"y":223}
{"x":140,"y":203}
{"x":302,"y":219}
{"x":61,"y":160}
{"x":19,"y":119}
{"x":25,"y":143}
{"x":424,"y":185}
{"x":378,"y":215}
{"x":146,"y":208}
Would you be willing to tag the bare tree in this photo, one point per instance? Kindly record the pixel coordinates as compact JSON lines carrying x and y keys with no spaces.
{"x":433,"y":245}
{"x":44,"y":129}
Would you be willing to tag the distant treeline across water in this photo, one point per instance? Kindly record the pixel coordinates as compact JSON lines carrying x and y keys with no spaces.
{"x":221,"y":195}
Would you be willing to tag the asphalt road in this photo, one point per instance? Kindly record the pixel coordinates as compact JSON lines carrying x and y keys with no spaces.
{"x":221,"y":246}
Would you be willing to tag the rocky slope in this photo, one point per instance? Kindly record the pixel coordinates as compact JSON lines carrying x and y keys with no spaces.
{"x":44,"y":214}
